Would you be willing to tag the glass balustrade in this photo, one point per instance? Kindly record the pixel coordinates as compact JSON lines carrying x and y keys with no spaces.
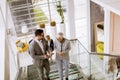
{"x":84,"y":65}
{"x":95,"y":66}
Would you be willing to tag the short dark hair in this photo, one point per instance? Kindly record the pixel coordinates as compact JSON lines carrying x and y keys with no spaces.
{"x":47,"y":35}
{"x":38,"y":32}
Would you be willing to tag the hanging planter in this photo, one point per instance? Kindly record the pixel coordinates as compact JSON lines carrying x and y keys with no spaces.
{"x":53,"y":23}
{"x":60,"y":11}
{"x":42,"y":25}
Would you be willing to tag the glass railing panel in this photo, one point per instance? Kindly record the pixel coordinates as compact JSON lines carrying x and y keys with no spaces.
{"x":91,"y":65}
{"x":104,"y":68}
{"x":84,"y":60}
{"x":95,"y":66}
{"x":74,"y":52}
{"x":80,"y":56}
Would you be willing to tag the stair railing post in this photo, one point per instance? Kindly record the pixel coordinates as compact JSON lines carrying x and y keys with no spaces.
{"x":90,"y":76}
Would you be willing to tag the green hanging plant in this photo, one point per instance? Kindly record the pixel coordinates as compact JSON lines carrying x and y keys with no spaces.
{"x":60,"y":11}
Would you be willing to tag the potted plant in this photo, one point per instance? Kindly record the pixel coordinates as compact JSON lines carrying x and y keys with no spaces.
{"x":52,"y":23}
{"x":42,"y":25}
{"x":60,"y":11}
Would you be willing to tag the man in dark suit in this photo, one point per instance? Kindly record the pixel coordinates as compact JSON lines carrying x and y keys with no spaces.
{"x":50,"y":45}
{"x":38,"y":49}
{"x":50,"y":42}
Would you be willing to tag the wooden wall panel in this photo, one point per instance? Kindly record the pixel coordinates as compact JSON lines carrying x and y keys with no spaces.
{"x":115,"y":33}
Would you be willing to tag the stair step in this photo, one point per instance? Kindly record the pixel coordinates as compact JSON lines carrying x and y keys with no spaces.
{"x":32,"y":74}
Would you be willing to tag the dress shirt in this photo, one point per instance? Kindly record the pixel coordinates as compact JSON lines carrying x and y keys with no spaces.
{"x":41,"y":45}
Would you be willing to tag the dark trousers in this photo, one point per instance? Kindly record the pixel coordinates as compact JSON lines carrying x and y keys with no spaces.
{"x":45,"y":66}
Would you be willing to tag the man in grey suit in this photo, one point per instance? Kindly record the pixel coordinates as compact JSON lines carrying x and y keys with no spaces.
{"x":38,"y":49}
{"x":62,"y":48}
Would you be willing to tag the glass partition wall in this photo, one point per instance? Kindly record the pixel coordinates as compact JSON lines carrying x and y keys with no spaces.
{"x":93,"y":67}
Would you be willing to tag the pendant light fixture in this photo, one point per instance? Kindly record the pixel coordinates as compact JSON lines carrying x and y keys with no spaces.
{"x":24,"y":28}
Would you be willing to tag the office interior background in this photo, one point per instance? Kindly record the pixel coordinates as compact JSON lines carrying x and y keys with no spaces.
{"x":92,"y":26}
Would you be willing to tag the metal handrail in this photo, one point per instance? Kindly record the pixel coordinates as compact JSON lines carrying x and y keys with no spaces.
{"x":95,"y":53}
{"x":90,"y":58}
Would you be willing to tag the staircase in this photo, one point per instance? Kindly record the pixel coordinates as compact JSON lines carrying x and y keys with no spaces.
{"x":30,"y":73}
{"x":25,"y":13}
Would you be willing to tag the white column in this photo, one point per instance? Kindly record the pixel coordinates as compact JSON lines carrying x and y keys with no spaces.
{"x":2,"y":48}
{"x":4,"y":54}
{"x":3,"y":7}
{"x":107,"y":37}
{"x":88,"y":25}
{"x":88,"y":35}
{"x":61,"y":28}
{"x":106,"y":30}
{"x":71,"y":19}
{"x":53,"y":32}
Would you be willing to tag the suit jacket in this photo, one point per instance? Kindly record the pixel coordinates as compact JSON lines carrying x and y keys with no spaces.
{"x":62,"y":47}
{"x":51,"y":45}
{"x":37,"y":53}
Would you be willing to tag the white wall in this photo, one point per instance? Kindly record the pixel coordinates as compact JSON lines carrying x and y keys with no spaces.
{"x":3,"y":7}
{"x":2,"y":49}
{"x":2,"y":42}
{"x":4,"y":46}
{"x":13,"y":65}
